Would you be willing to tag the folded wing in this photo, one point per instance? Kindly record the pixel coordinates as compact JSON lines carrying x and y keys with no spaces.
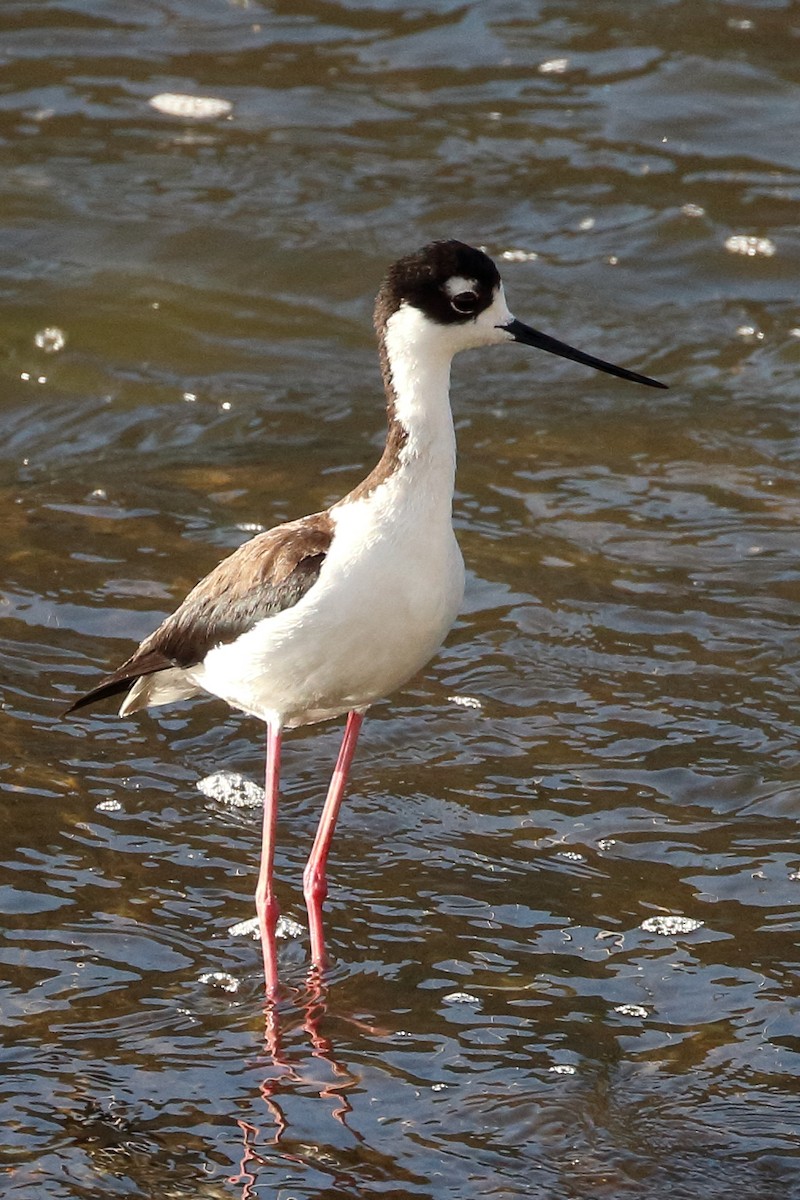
{"x":266,"y":575}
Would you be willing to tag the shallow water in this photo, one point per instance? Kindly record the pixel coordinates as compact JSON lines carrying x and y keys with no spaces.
{"x":611,"y":734}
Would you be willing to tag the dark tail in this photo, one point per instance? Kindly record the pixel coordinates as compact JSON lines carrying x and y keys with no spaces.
{"x":120,"y":682}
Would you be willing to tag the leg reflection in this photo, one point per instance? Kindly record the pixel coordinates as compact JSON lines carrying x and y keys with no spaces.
{"x":315,"y":1008}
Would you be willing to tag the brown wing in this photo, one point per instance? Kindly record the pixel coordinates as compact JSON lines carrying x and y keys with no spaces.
{"x":266,"y":575}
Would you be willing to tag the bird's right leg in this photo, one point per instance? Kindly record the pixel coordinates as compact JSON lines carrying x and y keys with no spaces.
{"x":266,"y":900}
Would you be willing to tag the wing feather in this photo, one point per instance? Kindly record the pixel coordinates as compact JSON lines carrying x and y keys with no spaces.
{"x":266,"y":575}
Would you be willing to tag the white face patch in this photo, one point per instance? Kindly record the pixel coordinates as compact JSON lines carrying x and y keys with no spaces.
{"x":413,"y":338}
{"x":457,"y":284}
{"x":490,"y":324}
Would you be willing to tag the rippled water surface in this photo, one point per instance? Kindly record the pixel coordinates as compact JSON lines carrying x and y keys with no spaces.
{"x":611,"y":735}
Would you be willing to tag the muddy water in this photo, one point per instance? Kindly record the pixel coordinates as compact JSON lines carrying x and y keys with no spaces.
{"x":610,"y":737}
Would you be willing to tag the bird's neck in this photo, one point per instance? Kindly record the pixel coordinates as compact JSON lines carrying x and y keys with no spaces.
{"x":415,"y":364}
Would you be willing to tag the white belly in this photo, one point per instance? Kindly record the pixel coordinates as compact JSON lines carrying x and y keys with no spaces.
{"x":388,"y":593}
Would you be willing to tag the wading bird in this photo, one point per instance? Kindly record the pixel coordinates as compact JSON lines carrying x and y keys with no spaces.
{"x":325,"y":615}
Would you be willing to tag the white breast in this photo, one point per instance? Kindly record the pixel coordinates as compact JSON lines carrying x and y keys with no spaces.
{"x":388,"y":592}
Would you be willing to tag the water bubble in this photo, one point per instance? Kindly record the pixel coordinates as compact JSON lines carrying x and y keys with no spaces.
{"x":519,"y":255}
{"x":228,"y":787}
{"x":553,"y":66}
{"x":671,"y":925}
{"x":221,"y":980}
{"x":248,"y":928}
{"x":750,"y":246}
{"x":287,"y":928}
{"x":51,"y":340}
{"x":631,"y":1010}
{"x":196,"y":108}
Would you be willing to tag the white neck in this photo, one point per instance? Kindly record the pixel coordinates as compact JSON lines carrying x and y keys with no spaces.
{"x":418,"y":355}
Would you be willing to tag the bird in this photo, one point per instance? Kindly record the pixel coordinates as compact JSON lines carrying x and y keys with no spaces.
{"x":320,"y":617}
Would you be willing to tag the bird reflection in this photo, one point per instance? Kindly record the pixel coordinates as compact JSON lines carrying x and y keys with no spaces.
{"x":261,"y":1143}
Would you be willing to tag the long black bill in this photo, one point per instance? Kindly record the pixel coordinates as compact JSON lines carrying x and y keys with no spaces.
{"x":543,"y":341}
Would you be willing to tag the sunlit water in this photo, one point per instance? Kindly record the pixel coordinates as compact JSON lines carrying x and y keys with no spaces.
{"x":611,"y":736}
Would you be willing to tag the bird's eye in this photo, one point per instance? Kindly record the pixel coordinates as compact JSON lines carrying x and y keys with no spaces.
{"x":465,"y":302}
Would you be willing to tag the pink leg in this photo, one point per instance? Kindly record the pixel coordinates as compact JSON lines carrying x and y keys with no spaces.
{"x":266,"y":901}
{"x":315,"y":883}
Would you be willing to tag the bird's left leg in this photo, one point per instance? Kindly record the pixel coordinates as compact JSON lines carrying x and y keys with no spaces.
{"x":315,"y":883}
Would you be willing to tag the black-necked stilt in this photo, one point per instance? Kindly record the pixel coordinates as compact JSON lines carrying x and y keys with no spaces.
{"x":325,"y":615}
